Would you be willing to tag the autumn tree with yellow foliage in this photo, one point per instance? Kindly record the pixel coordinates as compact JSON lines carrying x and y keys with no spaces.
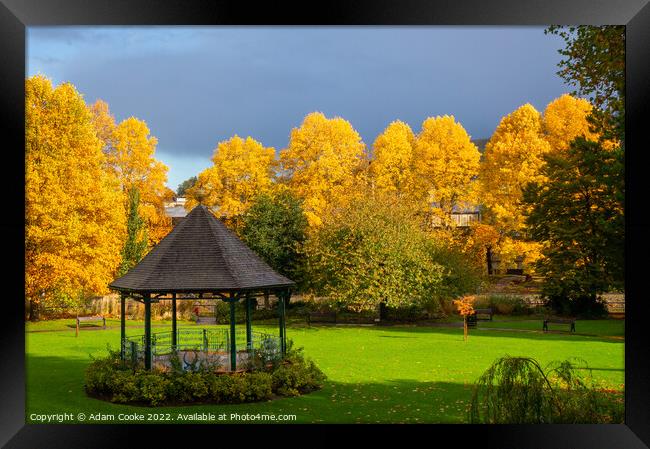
{"x":446,"y":164}
{"x":104,"y":123}
{"x":74,"y":209}
{"x":391,"y":168}
{"x":130,"y":151}
{"x":513,"y":158}
{"x":565,"y":118}
{"x":324,"y":164}
{"x":242,"y":169}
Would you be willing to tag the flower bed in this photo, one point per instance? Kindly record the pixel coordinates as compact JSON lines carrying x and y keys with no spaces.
{"x":118,"y":381}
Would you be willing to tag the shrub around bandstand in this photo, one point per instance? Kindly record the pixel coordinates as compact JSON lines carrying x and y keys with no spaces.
{"x":116,"y":380}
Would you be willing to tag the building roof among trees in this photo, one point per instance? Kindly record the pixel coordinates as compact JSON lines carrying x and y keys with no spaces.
{"x":175,"y":211}
{"x":200,"y":255}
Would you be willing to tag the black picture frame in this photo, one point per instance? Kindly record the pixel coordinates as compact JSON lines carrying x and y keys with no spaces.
{"x":16,"y":15}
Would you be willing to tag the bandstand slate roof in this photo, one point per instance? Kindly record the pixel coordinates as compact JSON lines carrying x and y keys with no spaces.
{"x":200,"y":255}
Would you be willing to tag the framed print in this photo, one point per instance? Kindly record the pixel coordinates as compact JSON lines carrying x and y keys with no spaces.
{"x":373,"y":213}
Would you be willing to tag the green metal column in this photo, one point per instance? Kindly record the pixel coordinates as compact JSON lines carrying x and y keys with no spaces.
{"x":249,"y":330}
{"x":147,"y":331}
{"x":233,"y":337}
{"x":287,"y":296}
{"x":174,"y":327}
{"x":122,"y":324}
{"x":281,"y":322}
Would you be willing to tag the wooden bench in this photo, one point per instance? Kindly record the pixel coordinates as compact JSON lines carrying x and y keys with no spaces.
{"x":206,"y":319}
{"x":89,"y":318}
{"x":483,"y":314}
{"x":479,"y":315}
{"x":321,"y":317}
{"x":567,"y":321}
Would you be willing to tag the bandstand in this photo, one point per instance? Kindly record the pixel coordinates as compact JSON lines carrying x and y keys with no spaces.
{"x":201,"y":259}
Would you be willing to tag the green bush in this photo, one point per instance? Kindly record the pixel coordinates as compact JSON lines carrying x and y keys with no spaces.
{"x":100,"y":374}
{"x":222,"y":311}
{"x":587,"y":307}
{"x":123,"y":387}
{"x":117,"y":381}
{"x":258,"y":386}
{"x":239,"y":387}
{"x":152,"y":387}
{"x":187,"y":387}
{"x":227,"y":389}
{"x":296,"y":375}
{"x":409,"y":313}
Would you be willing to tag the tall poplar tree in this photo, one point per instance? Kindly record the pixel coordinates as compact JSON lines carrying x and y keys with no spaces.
{"x":135,"y":245}
{"x":566,"y":118}
{"x":513,"y":158}
{"x":446,"y":163}
{"x":324,"y":164}
{"x":241,"y":170}
{"x":130,"y":155}
{"x":392,"y":166}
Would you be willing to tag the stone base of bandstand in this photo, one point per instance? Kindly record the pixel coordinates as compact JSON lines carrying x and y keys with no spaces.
{"x":220,"y":360}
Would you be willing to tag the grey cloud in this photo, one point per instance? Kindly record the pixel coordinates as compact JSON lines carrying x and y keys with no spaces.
{"x":196,"y":86}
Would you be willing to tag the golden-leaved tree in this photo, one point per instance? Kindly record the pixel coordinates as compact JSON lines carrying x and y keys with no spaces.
{"x":324,"y":164}
{"x":446,"y":164}
{"x":74,"y":209}
{"x":391,"y":167}
{"x":565,"y":118}
{"x":130,"y":151}
{"x":243,"y":169}
{"x":104,"y":123}
{"x":513,"y":158}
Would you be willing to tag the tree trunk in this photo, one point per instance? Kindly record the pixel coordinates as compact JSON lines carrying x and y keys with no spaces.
{"x":488,"y":256}
{"x":33,"y":310}
{"x":382,"y":311}
{"x":267,"y":305}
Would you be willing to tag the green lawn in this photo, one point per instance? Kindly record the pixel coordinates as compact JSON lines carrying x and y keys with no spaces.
{"x":376,"y":374}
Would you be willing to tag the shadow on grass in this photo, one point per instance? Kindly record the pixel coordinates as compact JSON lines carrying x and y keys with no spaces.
{"x":55,"y":385}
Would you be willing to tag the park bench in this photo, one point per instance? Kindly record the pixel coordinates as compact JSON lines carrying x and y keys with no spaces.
{"x":479,"y":315}
{"x":85,"y":319}
{"x":321,"y":317}
{"x":206,"y":319}
{"x":483,"y":314}
{"x":571,"y":322}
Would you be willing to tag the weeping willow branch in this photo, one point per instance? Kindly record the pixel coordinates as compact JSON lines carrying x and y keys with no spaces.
{"x":517,"y":390}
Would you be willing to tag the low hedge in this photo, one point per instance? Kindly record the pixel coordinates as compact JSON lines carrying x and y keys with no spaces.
{"x":504,"y":304}
{"x":114,"y":380}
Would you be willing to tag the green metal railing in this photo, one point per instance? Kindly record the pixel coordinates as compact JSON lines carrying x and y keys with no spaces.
{"x":205,"y":341}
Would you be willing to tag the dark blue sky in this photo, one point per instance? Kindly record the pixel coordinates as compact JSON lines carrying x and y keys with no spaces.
{"x":196,"y":86}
